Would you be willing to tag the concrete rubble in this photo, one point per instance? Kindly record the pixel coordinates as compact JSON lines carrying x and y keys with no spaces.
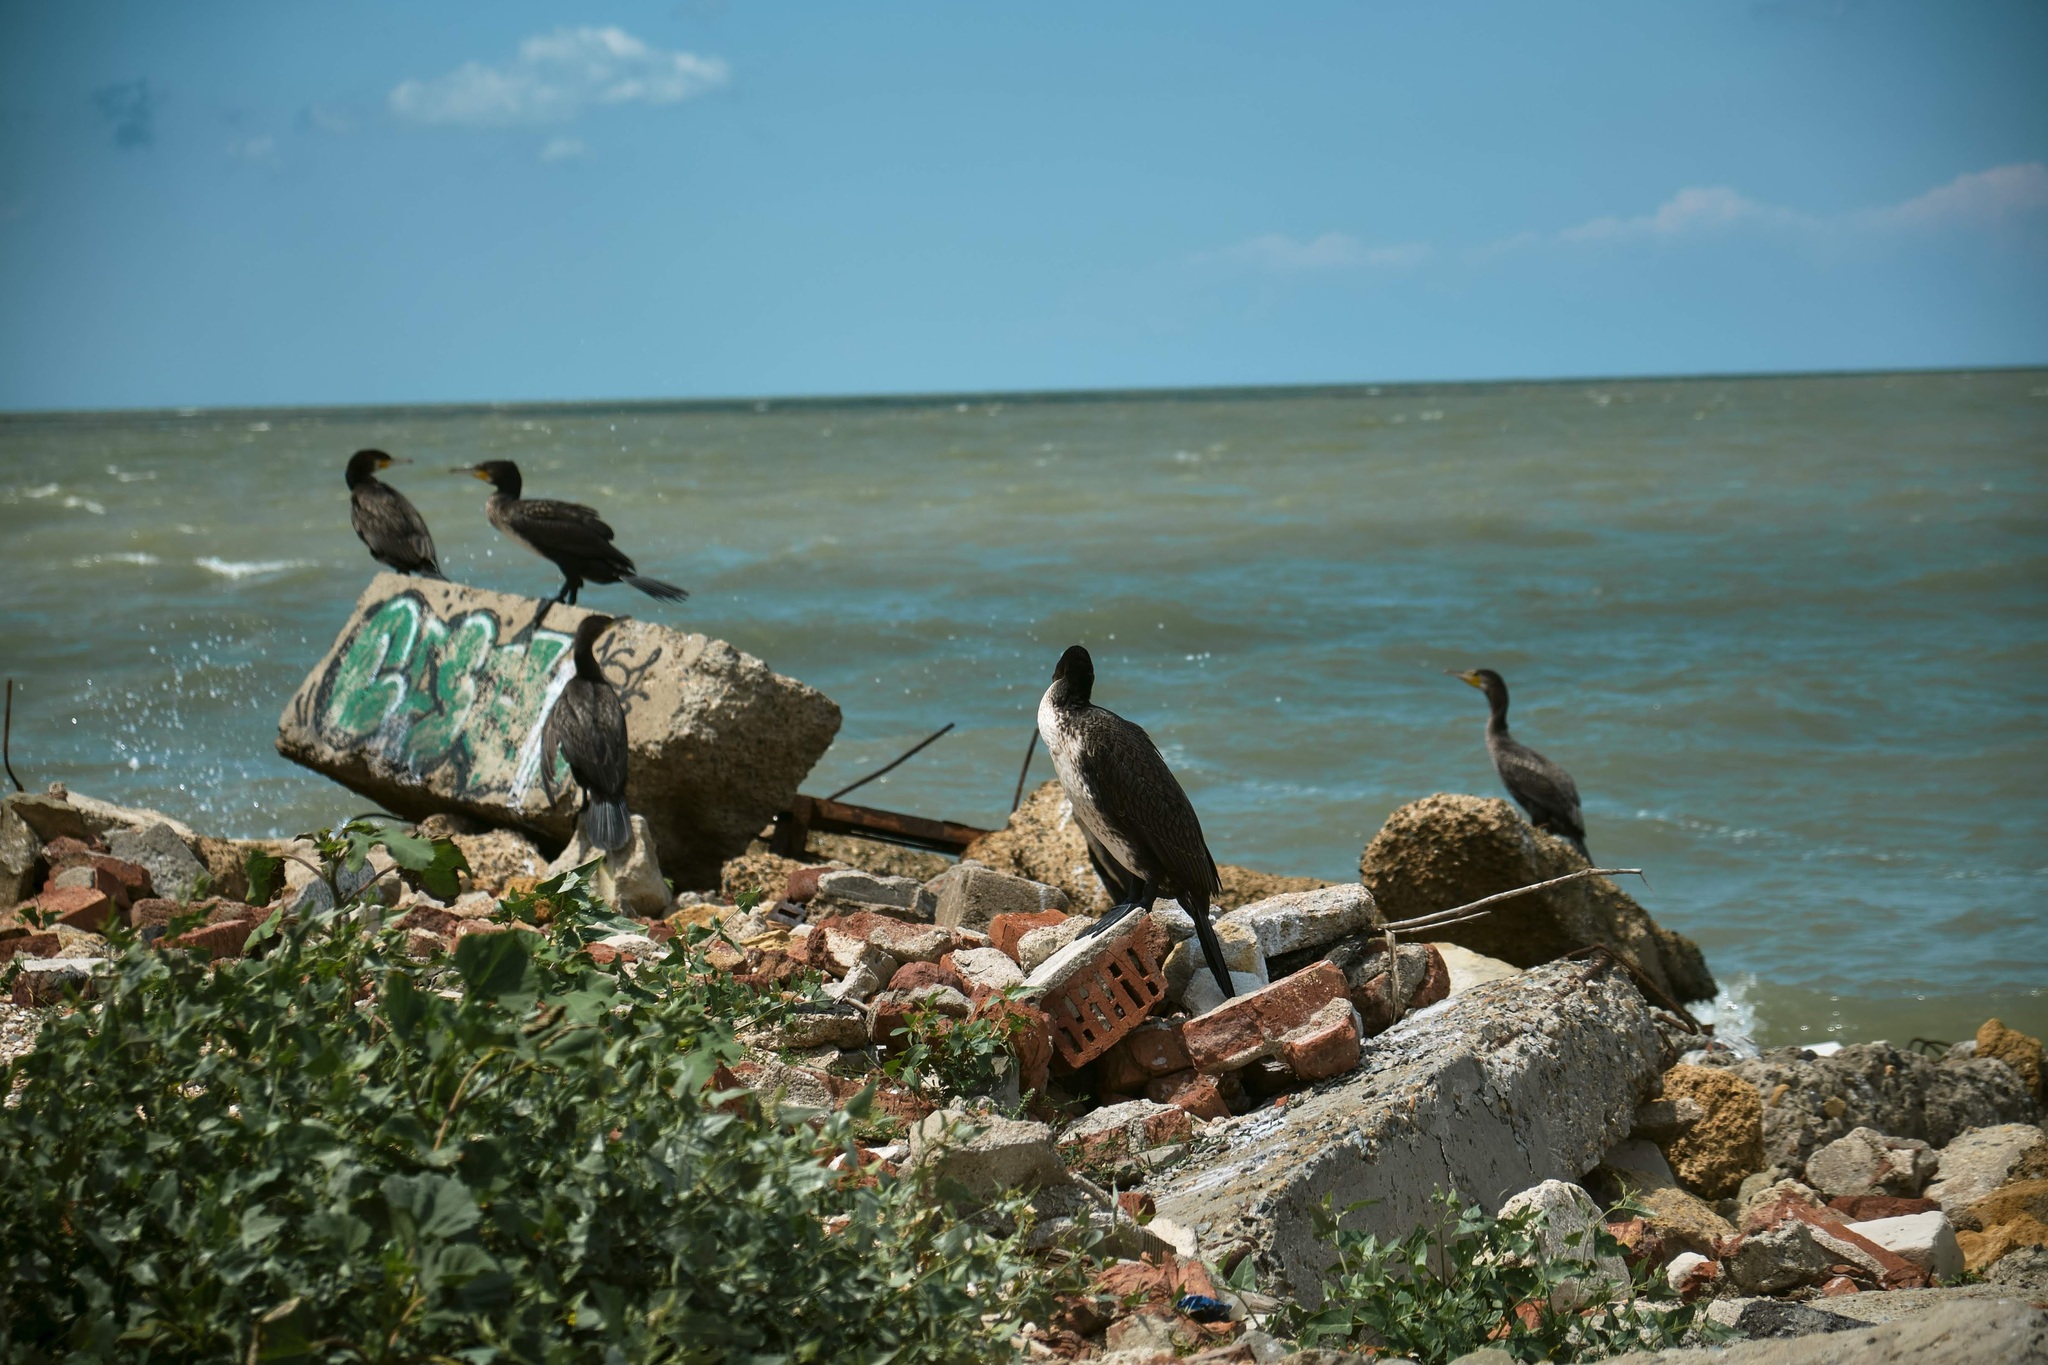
{"x":431,"y":701}
{"x":1792,"y":1192}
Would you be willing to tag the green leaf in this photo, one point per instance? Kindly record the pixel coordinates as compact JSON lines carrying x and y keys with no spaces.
{"x":496,"y":965}
{"x":439,"y":875}
{"x":262,"y":870}
{"x":437,"y":1206}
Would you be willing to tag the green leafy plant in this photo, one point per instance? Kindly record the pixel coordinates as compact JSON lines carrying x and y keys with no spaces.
{"x":333,"y":1152}
{"x":1467,"y":1279}
{"x":942,"y":1056}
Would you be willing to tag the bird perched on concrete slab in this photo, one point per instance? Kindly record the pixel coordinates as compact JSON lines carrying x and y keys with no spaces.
{"x":385,"y":519}
{"x":1539,"y":786}
{"x":1143,"y":836}
{"x":588,"y":727}
{"x":571,"y":536}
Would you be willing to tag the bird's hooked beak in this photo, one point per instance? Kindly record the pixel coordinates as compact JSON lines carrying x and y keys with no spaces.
{"x":475,"y":471}
{"x":386,"y":461}
{"x":1471,"y":679}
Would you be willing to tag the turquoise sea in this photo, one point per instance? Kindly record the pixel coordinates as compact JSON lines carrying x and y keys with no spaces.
{"x":1789,"y":634}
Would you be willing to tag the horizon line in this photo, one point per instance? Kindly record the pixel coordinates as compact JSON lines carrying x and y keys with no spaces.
{"x":918,"y":398}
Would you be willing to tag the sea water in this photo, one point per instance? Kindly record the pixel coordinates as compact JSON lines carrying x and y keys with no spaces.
{"x":1788,"y":634}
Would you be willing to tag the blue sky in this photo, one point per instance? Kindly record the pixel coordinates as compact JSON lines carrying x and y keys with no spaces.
{"x":215,"y":204}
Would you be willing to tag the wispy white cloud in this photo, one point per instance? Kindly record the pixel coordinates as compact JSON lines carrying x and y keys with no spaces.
{"x":1280,"y":254}
{"x":563,"y":149}
{"x":2002,"y":198}
{"x":258,"y":151}
{"x":1980,"y":199}
{"x":554,"y":77}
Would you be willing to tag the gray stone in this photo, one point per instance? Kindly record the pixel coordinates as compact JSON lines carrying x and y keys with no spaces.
{"x":1779,"y":1258}
{"x":1963,"y":1330}
{"x":865,"y":975}
{"x":1639,"y":1165}
{"x":821,"y":1024}
{"x":1485,"y":1355}
{"x":1896,"y":1092}
{"x":969,"y":895}
{"x":1300,"y":920}
{"x":1979,"y":1161}
{"x":1202,"y":994}
{"x":21,"y":855}
{"x":102,"y":817}
{"x":1659,"y":1121}
{"x":1511,"y":1084}
{"x":718,"y":742}
{"x":991,"y":968}
{"x":1568,"y":1223}
{"x":845,"y":892}
{"x":1865,"y":1161}
{"x":629,"y":878}
{"x":985,"y":1154}
{"x":1774,"y":1319}
{"x":2025,"y":1268}
{"x":1043,"y":944}
{"x":1242,"y":955}
{"x":49,"y":817}
{"x":173,"y":871}
{"x":1926,"y":1239}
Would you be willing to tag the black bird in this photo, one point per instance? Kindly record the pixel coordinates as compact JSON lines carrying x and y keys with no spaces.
{"x":588,"y":727}
{"x":1143,"y":837}
{"x":385,"y":520}
{"x":1539,"y":786}
{"x":569,"y":534}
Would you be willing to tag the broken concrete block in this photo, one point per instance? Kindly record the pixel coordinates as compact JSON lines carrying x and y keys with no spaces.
{"x":1038,"y":946}
{"x":849,"y":890}
{"x":1468,"y":969}
{"x":1567,"y":1221}
{"x":970,"y":896}
{"x":1489,"y":1093}
{"x":989,"y":969}
{"x":173,"y":871}
{"x":1249,"y":1027}
{"x":985,"y":1154}
{"x":1112,"y":1135}
{"x":1300,"y":920}
{"x":1928,"y":1240}
{"x":1980,"y":1161}
{"x":1778,"y":1259}
{"x":809,"y":1025}
{"x":433,"y":698}
{"x":1865,"y":1161}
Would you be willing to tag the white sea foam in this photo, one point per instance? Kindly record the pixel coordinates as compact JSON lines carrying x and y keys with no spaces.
{"x":120,"y":557}
{"x":1733,"y":1008}
{"x":41,"y":490}
{"x":252,"y":568}
{"x":86,"y":504}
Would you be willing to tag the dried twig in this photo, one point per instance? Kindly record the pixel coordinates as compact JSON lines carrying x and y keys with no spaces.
{"x":1438,"y":918}
{"x":1017,"y":797}
{"x":7,"y":739}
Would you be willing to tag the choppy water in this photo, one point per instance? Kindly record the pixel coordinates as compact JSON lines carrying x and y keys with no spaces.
{"x":1787,"y":633}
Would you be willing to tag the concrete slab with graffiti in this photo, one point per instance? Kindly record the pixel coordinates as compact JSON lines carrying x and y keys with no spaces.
{"x":434,"y":694}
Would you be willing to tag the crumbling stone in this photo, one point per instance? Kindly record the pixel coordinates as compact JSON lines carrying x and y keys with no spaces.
{"x":1979,"y":1161}
{"x":1865,"y":1161}
{"x":985,"y":1155}
{"x":1567,"y":1219}
{"x":1301,"y":920}
{"x":1779,"y":1258}
{"x":1112,"y":1135}
{"x":173,"y":871}
{"x":970,"y":895}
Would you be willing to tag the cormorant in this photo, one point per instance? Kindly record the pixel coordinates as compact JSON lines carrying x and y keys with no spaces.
{"x":1143,"y":837}
{"x":1539,"y":786}
{"x":385,"y":520}
{"x":569,"y":534}
{"x":588,"y":726}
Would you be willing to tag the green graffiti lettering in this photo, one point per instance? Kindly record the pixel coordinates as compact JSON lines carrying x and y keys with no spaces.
{"x":365,"y":689}
{"x":463,"y":653}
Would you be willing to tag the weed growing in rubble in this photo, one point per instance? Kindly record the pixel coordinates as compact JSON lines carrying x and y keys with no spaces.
{"x":334,"y":1152}
{"x":1467,"y":1280}
{"x":944,"y":1057}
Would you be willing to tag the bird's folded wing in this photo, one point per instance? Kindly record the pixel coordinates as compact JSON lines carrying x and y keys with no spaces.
{"x":1137,"y":794}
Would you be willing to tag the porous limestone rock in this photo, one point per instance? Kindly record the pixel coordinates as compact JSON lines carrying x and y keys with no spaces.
{"x":1448,"y":850}
{"x":1489,"y":1093}
{"x":431,"y":699}
{"x":1713,"y":1155}
{"x":1809,"y":1101}
{"x":2017,"y":1050}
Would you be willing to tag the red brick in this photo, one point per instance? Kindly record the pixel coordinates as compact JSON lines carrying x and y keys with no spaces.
{"x":134,"y":877}
{"x":900,"y":939}
{"x":1007,"y":931}
{"x":803,"y":883}
{"x":227,"y":912}
{"x":1831,"y":1229}
{"x":1249,"y":1027}
{"x":1030,"y":1040}
{"x":152,"y":911}
{"x":29,"y":945}
{"x":1326,"y":1046}
{"x":221,"y":942}
{"x":1136,"y":1203}
{"x":1199,"y":1095}
{"x":81,"y":907}
{"x":1862,"y":1208}
{"x":1158,"y":1048}
{"x":1117,"y":1070}
{"x":65,"y":851}
{"x":1102,"y":995}
{"x":427,"y":919}
{"x":1436,"y":984}
{"x":86,"y":875}
{"x":916,"y":975}
{"x":1838,"y":1286}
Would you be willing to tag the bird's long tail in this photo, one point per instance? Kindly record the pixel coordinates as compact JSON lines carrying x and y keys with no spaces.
{"x":1580,"y":844}
{"x":654,"y":587}
{"x":606,"y":824}
{"x":432,"y":571}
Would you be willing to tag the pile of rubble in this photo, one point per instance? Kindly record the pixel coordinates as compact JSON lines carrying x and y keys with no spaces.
{"x":1798,"y":1190}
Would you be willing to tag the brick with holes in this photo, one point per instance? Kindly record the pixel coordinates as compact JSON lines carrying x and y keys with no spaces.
{"x":1098,"y":990}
